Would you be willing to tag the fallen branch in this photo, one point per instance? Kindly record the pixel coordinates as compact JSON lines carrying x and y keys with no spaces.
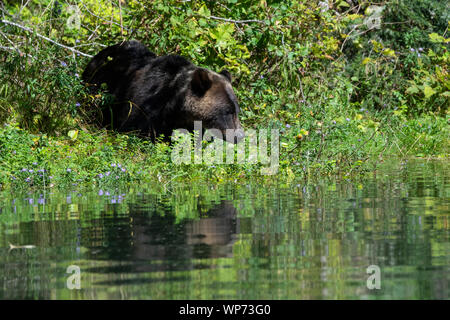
{"x":9,"y":49}
{"x":235,"y":21}
{"x":230,"y":20}
{"x":45,"y":38}
{"x":15,"y":50}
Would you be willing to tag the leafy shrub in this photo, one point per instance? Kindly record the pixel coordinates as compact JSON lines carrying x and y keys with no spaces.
{"x":39,"y":90}
{"x":341,"y":93}
{"x":404,"y":63}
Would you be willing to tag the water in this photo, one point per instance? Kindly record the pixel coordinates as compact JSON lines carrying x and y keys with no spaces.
{"x":300,"y":241}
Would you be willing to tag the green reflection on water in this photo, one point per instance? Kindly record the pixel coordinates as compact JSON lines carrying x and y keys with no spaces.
{"x":305,"y":241}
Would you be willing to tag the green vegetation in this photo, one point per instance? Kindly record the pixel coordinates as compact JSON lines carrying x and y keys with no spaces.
{"x":343,"y":91}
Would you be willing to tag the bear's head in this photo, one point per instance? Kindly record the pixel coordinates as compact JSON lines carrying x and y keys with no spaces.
{"x":212,"y":101}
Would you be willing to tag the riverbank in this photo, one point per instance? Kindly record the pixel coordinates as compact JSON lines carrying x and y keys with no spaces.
{"x":346,"y":146}
{"x":354,"y":85}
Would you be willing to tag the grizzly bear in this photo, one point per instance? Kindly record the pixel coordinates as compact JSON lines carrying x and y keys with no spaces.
{"x":154,"y":95}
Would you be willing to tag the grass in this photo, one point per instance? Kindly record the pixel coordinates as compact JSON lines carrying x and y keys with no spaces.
{"x":343,"y":97}
{"x":346,"y":147}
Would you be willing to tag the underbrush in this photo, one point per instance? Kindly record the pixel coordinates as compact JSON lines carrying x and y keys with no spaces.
{"x":343,"y":92}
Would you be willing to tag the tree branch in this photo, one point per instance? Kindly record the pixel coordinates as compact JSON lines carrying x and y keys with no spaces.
{"x":231,"y":20}
{"x":45,"y":38}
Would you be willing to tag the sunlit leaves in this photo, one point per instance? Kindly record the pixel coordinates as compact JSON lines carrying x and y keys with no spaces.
{"x":428,"y":91}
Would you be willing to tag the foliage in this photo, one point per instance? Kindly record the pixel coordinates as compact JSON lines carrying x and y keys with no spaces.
{"x":342,"y":93}
{"x":404,"y":62}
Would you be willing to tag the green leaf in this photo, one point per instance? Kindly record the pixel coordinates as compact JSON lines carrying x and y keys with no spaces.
{"x":366,"y":61}
{"x":73,"y":134}
{"x":389,"y":52}
{"x":174,"y":21}
{"x":413,"y":89}
{"x":428,"y":91}
{"x":343,"y":4}
{"x":204,"y":11}
{"x":434,"y":37}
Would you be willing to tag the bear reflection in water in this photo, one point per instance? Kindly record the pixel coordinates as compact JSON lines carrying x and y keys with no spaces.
{"x":155,"y":241}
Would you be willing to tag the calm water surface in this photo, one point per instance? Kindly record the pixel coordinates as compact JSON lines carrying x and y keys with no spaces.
{"x":300,"y":241}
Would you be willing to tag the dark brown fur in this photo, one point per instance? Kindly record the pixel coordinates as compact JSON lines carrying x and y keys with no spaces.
{"x":155,"y":95}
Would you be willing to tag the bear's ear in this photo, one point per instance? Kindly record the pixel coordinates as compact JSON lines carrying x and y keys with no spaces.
{"x":226,"y":74}
{"x":200,"y":82}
